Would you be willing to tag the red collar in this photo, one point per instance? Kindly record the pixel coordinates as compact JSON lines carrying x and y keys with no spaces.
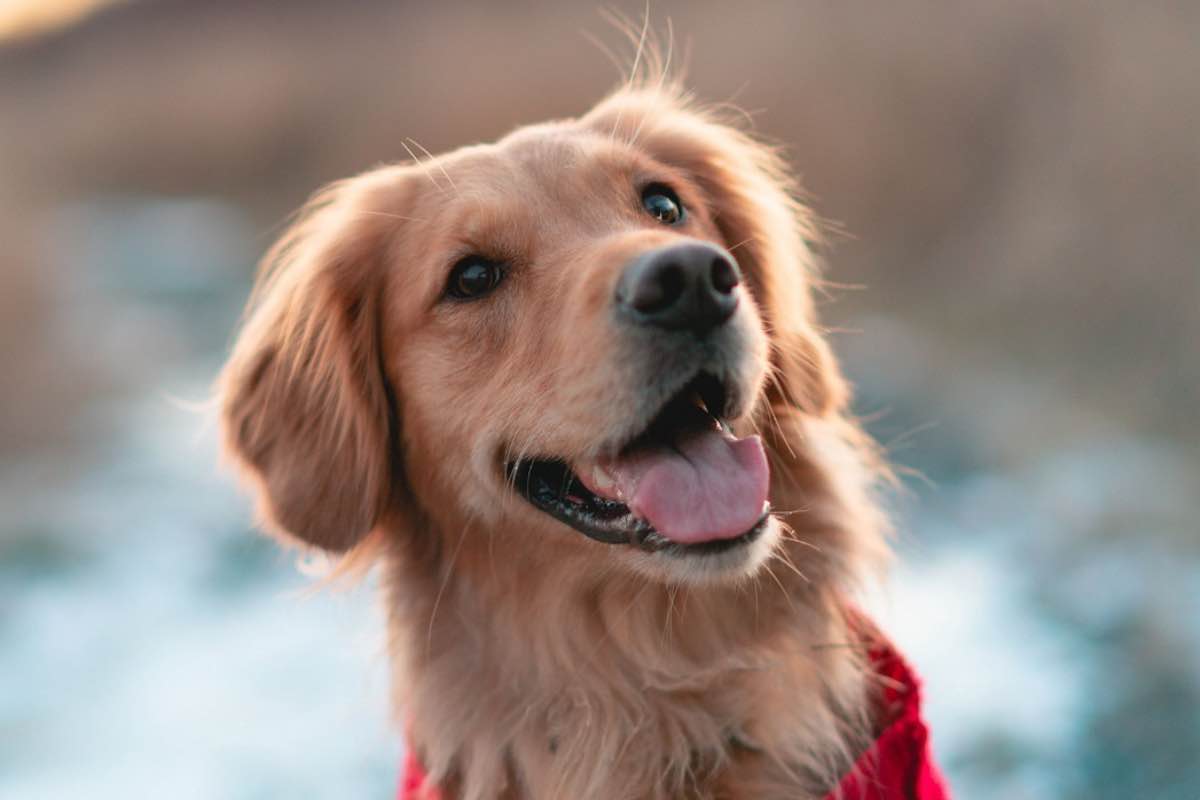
{"x":898,"y":766}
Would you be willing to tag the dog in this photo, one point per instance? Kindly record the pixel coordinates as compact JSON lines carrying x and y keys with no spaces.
{"x":569,"y":392}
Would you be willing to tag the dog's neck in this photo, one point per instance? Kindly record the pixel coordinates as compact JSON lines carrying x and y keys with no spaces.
{"x":510,"y":674}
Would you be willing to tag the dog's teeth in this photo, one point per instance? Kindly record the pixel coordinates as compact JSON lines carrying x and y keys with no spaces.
{"x":602,"y":481}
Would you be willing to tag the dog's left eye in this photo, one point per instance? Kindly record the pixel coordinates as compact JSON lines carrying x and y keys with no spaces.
{"x":473,"y":277}
{"x":662,"y":204}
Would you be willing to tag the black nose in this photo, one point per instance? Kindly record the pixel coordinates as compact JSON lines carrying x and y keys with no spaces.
{"x":679,"y":287}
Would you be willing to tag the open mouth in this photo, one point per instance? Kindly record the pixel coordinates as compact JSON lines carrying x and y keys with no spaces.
{"x":684,"y":486}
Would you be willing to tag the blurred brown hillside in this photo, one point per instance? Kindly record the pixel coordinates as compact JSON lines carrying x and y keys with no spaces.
{"x":1020,"y":180}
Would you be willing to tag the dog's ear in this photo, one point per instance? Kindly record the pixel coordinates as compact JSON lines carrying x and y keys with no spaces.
{"x":750,"y":196}
{"x":305,"y":405}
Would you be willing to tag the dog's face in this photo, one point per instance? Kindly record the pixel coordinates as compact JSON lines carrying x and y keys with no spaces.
{"x":576,"y":329}
{"x":563,"y":339}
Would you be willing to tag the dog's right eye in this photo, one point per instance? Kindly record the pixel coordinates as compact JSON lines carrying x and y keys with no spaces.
{"x":473,"y":277}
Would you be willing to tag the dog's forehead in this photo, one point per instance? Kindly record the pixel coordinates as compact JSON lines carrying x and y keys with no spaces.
{"x":552,"y":162}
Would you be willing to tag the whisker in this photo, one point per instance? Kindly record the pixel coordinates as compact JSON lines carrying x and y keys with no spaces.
{"x":439,"y":164}
{"x":422,"y":165}
{"x":745,"y":241}
{"x":906,"y":437}
{"x":777,"y":425}
{"x":441,"y":589}
{"x":666,"y":634}
{"x":662,"y":75}
{"x":779,"y":583}
{"x":624,"y":25}
{"x":637,"y":56}
{"x":605,"y":49}
{"x":782,"y":512}
{"x":789,"y":533}
{"x":390,"y":216}
{"x":783,"y":557}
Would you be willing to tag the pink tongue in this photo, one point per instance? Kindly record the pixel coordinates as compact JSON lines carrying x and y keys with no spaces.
{"x":708,"y":487}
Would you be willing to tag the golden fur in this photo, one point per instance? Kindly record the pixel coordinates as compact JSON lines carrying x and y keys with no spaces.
{"x":529,"y":661}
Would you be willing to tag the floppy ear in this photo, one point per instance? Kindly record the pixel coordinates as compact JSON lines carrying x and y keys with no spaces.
{"x":305,"y":406}
{"x":750,"y":196}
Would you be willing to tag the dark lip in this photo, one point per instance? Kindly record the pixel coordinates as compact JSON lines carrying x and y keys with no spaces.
{"x":550,"y":486}
{"x":661,"y":544}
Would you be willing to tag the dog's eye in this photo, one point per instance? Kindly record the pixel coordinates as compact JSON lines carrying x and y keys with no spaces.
{"x":662,"y":204}
{"x":473,"y":277}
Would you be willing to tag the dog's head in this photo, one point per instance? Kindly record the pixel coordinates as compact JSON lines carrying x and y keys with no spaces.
{"x":585,"y":328}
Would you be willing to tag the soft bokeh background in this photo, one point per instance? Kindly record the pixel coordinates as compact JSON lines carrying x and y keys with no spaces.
{"x":1018,"y":187}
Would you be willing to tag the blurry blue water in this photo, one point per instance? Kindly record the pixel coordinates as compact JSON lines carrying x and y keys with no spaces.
{"x":1049,"y":594}
{"x":152,"y":645}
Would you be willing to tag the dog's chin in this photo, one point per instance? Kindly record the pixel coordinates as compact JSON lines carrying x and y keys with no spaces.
{"x":730,"y":565}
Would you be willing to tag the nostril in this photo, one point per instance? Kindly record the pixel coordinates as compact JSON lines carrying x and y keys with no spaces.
{"x":724,"y":276}
{"x":660,"y":289}
{"x":687,"y":286}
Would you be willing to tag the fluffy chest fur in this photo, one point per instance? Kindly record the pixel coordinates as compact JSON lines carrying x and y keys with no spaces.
{"x":515,"y":682}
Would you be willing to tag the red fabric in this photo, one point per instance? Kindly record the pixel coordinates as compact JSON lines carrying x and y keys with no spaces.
{"x":898,"y":766}
{"x":412,"y":779}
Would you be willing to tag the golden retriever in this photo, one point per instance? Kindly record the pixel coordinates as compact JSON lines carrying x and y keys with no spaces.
{"x":568,"y":390}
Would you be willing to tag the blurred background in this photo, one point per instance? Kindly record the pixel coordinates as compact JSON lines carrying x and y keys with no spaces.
{"x":1014,"y":194}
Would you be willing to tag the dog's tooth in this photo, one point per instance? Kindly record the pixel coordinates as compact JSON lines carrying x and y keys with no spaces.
{"x":602,"y":480}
